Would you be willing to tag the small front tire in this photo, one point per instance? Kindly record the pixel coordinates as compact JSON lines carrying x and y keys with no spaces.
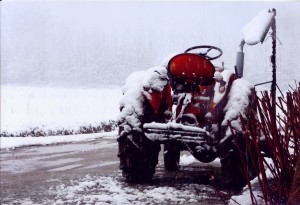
{"x":171,"y":156}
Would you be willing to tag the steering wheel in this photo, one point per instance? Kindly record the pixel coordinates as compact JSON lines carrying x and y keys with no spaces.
{"x":206,"y":49}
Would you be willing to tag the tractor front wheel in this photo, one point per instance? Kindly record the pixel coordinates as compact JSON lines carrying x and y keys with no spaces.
{"x":171,"y":156}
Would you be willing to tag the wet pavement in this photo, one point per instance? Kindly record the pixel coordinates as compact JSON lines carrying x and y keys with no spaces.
{"x":88,"y":173}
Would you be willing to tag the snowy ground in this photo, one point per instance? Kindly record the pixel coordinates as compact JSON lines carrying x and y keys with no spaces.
{"x":23,"y":108}
{"x":114,"y":191}
{"x":86,"y":172}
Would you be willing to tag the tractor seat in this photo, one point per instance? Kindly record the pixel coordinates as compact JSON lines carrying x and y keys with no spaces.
{"x":188,"y":71}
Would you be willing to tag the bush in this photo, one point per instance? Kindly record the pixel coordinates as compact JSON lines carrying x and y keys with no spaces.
{"x":42,"y":132}
{"x":275,"y":136}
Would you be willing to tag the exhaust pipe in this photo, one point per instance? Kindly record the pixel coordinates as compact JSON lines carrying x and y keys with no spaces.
{"x":239,"y":65}
{"x":253,"y":33}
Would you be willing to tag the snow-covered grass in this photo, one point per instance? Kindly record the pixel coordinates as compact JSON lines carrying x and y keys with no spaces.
{"x":42,"y":108}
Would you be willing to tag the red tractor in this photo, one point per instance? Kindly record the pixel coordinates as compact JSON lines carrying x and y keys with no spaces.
{"x":189,"y":104}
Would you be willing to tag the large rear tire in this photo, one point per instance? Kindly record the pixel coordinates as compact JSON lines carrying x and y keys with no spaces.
{"x":237,"y":163}
{"x":138,"y":157}
{"x":238,"y":157}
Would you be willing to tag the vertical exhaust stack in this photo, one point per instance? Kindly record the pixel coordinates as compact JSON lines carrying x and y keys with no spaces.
{"x":239,"y":65}
{"x":253,"y":33}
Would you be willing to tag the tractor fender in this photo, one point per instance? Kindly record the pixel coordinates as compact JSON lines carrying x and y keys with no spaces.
{"x":159,"y":99}
{"x":156,"y":88}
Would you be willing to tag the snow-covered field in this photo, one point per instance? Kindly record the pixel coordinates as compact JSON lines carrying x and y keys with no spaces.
{"x":25,"y":108}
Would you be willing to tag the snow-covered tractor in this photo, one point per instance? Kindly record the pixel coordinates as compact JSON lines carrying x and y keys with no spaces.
{"x":188,"y":103}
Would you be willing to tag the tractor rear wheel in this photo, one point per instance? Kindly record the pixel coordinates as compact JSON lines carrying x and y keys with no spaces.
{"x":238,"y":157}
{"x":238,"y":164}
{"x":138,"y":157}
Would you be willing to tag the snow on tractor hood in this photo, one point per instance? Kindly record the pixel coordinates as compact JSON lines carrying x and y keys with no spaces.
{"x":136,"y":87}
{"x":131,"y":104}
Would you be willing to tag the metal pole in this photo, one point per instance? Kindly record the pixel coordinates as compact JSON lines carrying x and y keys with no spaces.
{"x":273,"y":61}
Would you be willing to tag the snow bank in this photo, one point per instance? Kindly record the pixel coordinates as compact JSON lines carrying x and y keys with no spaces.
{"x":13,"y":142}
{"x":255,"y":31}
{"x":23,"y":108}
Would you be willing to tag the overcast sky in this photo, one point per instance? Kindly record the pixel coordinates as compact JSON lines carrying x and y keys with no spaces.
{"x":95,"y":43}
